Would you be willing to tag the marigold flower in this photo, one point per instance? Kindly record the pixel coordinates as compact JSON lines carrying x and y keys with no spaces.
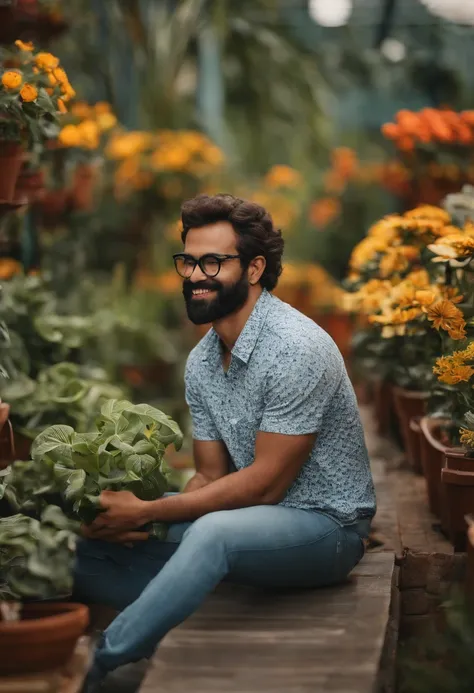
{"x":25,"y":46}
{"x":29,"y":92}
{"x":102,"y":107}
{"x":12,"y":79}
{"x":9,"y":267}
{"x":62,"y":108}
{"x":60,"y":75}
{"x":46,"y":61}
{"x":456,"y":375}
{"x":69,"y":136}
{"x":106,"y":121}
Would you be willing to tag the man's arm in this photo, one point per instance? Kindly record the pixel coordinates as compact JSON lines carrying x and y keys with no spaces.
{"x":211,"y":460}
{"x":278,"y":459}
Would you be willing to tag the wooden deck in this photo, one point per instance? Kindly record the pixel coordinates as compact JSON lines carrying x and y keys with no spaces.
{"x":248,"y":640}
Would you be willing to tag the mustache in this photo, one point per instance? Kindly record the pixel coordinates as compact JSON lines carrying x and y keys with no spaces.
{"x":189,"y":286}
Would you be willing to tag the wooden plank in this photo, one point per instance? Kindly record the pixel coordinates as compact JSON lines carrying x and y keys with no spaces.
{"x":246,"y":639}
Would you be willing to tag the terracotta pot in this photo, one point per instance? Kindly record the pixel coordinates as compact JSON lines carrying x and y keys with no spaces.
{"x":456,"y":459}
{"x":410,"y":404}
{"x":13,"y":446}
{"x":44,"y":639}
{"x":383,"y":406}
{"x":459,"y":498}
{"x":82,"y":195}
{"x":433,"y":453}
{"x":11,"y":159}
{"x":54,"y":205}
{"x":29,"y":186}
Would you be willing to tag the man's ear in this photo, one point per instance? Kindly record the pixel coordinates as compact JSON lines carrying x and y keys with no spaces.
{"x":256,"y":269}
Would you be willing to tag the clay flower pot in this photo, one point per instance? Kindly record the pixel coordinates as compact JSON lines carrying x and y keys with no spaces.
{"x":11,"y":159}
{"x":82,"y":194}
{"x":29,"y":186}
{"x":459,"y":499}
{"x":410,"y":404}
{"x":433,"y":452}
{"x":43,"y":639}
{"x":383,"y":406}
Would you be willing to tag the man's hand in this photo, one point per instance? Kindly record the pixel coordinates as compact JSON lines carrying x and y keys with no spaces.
{"x":129,"y":538}
{"x":121,"y":511}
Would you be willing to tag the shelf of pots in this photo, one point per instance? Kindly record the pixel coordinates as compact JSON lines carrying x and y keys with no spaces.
{"x":412,"y":308}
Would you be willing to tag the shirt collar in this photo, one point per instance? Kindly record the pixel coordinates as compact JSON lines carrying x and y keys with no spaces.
{"x":248,"y":338}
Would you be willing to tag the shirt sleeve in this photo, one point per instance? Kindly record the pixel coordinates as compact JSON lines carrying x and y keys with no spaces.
{"x":298,"y":392}
{"x":204,"y":427}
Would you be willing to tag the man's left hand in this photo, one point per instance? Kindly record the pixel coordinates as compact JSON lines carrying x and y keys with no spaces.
{"x":121,"y":510}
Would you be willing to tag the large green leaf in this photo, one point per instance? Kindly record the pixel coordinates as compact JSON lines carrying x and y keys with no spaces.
{"x":55,"y":441}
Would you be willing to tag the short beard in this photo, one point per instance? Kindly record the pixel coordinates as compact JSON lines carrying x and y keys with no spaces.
{"x":228,"y":300}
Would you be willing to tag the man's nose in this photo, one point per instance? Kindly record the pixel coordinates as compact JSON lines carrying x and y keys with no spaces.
{"x":197,"y":275}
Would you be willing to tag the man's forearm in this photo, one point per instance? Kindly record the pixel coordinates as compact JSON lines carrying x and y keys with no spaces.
{"x":238,"y":490}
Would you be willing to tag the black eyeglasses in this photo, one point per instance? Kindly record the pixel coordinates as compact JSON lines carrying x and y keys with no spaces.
{"x":209,"y":264}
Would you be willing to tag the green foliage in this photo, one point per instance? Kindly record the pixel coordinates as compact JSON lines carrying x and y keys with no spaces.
{"x":126,"y":452}
{"x":443,"y":661}
{"x":59,"y":392}
{"x":36,"y":557}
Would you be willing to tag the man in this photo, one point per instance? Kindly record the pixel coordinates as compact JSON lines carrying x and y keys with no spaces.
{"x":282,"y":494}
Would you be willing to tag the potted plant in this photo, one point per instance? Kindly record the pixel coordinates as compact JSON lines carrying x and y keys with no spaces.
{"x":36,"y":562}
{"x":125,"y":452}
{"x":33,"y":92}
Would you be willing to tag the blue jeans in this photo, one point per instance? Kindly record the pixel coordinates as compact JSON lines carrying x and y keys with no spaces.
{"x":159,"y":584}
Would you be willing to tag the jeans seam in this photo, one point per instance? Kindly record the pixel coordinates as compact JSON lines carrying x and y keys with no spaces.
{"x":284,"y":548}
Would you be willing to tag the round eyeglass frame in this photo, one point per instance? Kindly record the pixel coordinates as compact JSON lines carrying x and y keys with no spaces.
{"x":200,"y":262}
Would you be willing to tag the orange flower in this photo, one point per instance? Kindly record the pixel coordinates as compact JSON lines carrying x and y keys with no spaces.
{"x":344,"y":161}
{"x":406,"y":143}
{"x":24,"y":46}
{"x":445,"y":316}
{"x":29,"y":92}
{"x":46,"y":61}
{"x":409,"y":122}
{"x":12,"y":79}
{"x":9,"y":267}
{"x":62,"y":108}
{"x":323,"y":211}
{"x":391,"y":131}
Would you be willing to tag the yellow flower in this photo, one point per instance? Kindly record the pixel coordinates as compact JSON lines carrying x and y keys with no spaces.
{"x":445,"y":316}
{"x":452,"y":247}
{"x":29,"y":92}
{"x":102,"y":108}
{"x":428,"y":212}
{"x":283,"y":177}
{"x":59,"y":75}
{"x":89,"y":134}
{"x":106,"y":121}
{"x":68,"y":92}
{"x":451,"y":370}
{"x":81,"y":109}
{"x":467,"y":437}
{"x":12,"y":79}
{"x":46,"y":61}
{"x":125,"y":144}
{"x":24,"y":46}
{"x":425,"y":297}
{"x":62,"y":108}
{"x":69,"y":136}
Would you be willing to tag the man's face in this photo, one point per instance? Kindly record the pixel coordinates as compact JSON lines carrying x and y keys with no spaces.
{"x":211,"y":299}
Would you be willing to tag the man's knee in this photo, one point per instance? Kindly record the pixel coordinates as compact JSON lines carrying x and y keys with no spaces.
{"x":213,"y":527}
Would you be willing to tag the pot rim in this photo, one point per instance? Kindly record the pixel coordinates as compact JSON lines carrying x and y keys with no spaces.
{"x":427,"y":424}
{"x":63,"y":613}
{"x":410,"y":394}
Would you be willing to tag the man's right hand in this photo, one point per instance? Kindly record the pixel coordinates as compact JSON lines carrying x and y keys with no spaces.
{"x":127,"y":537}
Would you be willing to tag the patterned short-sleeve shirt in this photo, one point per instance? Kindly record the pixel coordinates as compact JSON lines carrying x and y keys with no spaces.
{"x":286,"y":376}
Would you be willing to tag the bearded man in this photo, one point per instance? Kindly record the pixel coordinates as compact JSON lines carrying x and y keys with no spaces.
{"x":282,"y":494}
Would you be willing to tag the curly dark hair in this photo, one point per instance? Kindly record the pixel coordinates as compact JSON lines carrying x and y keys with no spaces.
{"x":252,"y":223}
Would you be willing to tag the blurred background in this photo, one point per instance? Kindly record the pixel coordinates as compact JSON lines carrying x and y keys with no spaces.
{"x":299,"y":105}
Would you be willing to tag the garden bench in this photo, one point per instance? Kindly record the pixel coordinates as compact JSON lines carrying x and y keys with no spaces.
{"x":247,"y":640}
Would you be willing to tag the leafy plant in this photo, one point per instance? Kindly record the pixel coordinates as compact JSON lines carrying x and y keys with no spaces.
{"x":36,"y":557}
{"x":125,"y":453}
{"x":59,"y":392}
